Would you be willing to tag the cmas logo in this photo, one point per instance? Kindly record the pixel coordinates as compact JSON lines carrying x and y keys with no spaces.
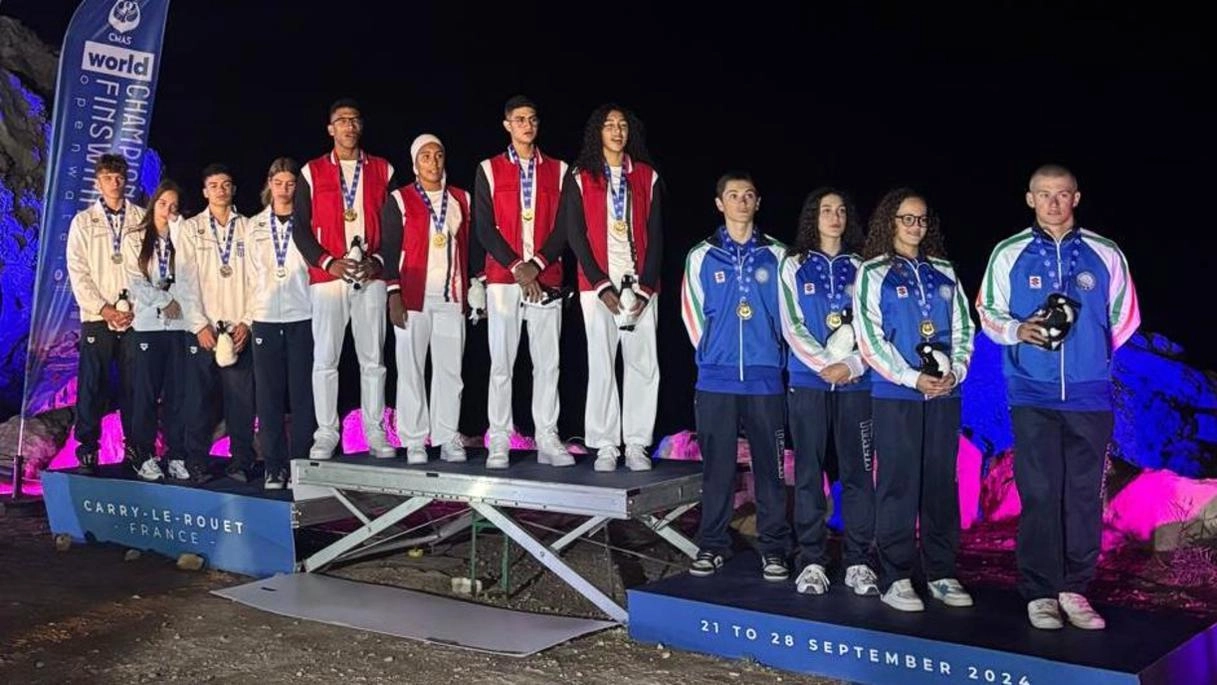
{"x":1086,"y":280}
{"x":944,"y":291}
{"x":124,"y":16}
{"x":762,"y":275}
{"x":143,"y":347}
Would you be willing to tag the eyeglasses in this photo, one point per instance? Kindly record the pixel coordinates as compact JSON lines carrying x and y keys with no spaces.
{"x":909,"y":220}
{"x":347,"y":122}
{"x":521,"y":120}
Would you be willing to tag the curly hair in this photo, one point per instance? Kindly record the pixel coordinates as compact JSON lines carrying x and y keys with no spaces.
{"x":591,"y":156}
{"x":879,"y":238}
{"x":808,"y":237}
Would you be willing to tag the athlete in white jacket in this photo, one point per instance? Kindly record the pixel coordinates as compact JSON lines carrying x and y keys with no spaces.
{"x":282,"y":328}
{"x":216,"y":298}
{"x":95,"y":271}
{"x":158,"y":350}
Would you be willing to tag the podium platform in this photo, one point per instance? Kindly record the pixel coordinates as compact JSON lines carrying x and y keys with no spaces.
{"x":737,"y":614}
{"x":656,"y":498}
{"x":234,"y":526}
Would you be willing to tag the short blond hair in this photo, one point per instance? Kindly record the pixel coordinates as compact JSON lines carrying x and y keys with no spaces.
{"x":1053,"y":171}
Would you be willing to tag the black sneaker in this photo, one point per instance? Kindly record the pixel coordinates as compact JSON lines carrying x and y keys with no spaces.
{"x":134,"y":457}
{"x":88,"y":463}
{"x":706,"y":564}
{"x":237,"y":470}
{"x":774,"y":567}
{"x":198,"y":473}
{"x":275,"y":480}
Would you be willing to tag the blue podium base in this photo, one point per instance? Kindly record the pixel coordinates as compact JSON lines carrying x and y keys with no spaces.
{"x":737,"y":614}
{"x":234,"y":526}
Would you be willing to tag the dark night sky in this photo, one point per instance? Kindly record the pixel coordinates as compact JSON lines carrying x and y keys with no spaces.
{"x":959,"y":104}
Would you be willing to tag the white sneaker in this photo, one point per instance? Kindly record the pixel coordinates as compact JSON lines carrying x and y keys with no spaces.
{"x":150,"y":469}
{"x":323,"y":446}
{"x":606,"y":458}
{"x":1045,"y":614}
{"x":500,"y":452}
{"x":416,"y":454}
{"x":862,"y":580}
{"x":177,"y":470}
{"x":902,"y":596}
{"x":636,"y":458}
{"x":950,"y":592}
{"x":453,"y":450}
{"x":550,"y":450}
{"x":1079,"y":612}
{"x":812,"y":581}
{"x":378,"y":445}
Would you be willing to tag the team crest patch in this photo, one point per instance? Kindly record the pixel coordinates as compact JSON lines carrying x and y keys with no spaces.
{"x":257,"y":341}
{"x":902,"y":291}
{"x":1035,"y":283}
{"x":90,"y":339}
{"x":944,"y":291}
{"x":809,"y":288}
{"x":1086,"y":280}
{"x":143,"y":347}
{"x":720,"y":276}
{"x":194,"y":349}
{"x":762,"y":275}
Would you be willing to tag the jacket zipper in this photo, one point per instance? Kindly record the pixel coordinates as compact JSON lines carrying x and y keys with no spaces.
{"x":1060,"y":274}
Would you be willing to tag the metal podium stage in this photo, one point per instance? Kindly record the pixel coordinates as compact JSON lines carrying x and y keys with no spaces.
{"x":656,"y":498}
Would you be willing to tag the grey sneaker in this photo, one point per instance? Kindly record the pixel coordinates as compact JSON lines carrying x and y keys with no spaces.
{"x":636,"y":458}
{"x":812,"y":581}
{"x":500,"y":452}
{"x":1079,"y":612}
{"x":550,"y":450}
{"x":606,"y":458}
{"x":453,"y":451}
{"x":1045,"y":614}
{"x":950,"y":592}
{"x":902,"y":596}
{"x":861,"y":579}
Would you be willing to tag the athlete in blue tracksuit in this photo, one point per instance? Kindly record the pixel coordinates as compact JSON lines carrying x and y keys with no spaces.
{"x":829,"y":391}
{"x":1059,"y":389}
{"x":729,"y":302}
{"x":908,"y":297}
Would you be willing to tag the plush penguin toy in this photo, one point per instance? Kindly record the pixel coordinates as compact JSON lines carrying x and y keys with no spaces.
{"x":355,"y":254}
{"x":123,"y":305}
{"x":933,"y":361}
{"x":477,"y":300}
{"x":841,"y":342}
{"x":1058,"y":312}
{"x":628,"y":300}
{"x":226,"y":354}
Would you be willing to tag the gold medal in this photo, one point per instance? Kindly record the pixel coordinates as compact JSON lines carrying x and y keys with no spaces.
{"x":927,"y":328}
{"x":620,"y":226}
{"x":350,"y":215}
{"x":834,"y":320}
{"x":526,"y":215}
{"x":439,"y":239}
{"x":744,"y":310}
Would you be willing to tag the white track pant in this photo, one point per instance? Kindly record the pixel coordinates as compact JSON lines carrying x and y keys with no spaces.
{"x":334,"y":305}
{"x":602,"y":421}
{"x":443,"y":329}
{"x":505,"y":317}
